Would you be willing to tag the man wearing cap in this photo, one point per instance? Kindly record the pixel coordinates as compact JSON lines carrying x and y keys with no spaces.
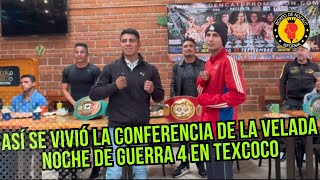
{"x":221,"y":89}
{"x":314,"y":93}
{"x":297,"y":79}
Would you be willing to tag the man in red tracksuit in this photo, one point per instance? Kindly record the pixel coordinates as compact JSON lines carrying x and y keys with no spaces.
{"x":221,"y":89}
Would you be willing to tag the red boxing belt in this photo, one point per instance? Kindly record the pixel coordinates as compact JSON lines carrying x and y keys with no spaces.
{"x":182,"y":109}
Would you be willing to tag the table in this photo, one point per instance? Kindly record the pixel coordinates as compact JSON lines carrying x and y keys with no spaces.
{"x":55,"y":122}
{"x":64,"y":122}
{"x":290,"y":145}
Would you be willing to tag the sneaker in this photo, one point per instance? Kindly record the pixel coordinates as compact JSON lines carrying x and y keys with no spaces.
{"x":180,"y":171}
{"x":283,"y":156}
{"x":67,"y":174}
{"x":201,"y":170}
{"x":95,"y":173}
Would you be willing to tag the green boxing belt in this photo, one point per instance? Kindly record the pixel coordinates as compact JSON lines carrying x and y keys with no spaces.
{"x":86,"y":109}
{"x":312,"y":106}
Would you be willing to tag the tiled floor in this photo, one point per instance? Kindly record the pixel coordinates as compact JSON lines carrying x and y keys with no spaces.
{"x":249,"y":169}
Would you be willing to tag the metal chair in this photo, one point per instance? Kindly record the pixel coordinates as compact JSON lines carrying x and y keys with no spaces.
{"x":316,"y":145}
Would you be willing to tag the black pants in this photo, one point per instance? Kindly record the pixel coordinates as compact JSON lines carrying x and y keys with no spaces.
{"x":292,"y":104}
{"x":187,"y":161}
{"x":218,"y":169}
{"x":9,"y":164}
{"x":9,"y":160}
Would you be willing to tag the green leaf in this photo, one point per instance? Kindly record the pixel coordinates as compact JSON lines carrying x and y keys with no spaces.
{"x":40,"y":50}
{"x":162,"y":20}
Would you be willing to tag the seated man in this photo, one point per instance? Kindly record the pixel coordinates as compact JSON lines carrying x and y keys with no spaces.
{"x":314,"y":93}
{"x":297,"y":79}
{"x":30,"y":98}
{"x":28,"y":101}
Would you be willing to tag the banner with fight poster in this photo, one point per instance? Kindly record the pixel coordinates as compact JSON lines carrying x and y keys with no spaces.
{"x":249,"y":24}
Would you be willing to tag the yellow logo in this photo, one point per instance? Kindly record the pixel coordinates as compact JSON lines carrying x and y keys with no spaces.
{"x":291,"y":29}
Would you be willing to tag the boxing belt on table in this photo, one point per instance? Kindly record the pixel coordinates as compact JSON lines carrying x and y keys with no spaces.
{"x":86,"y":109}
{"x":182,"y":109}
{"x":312,"y":106}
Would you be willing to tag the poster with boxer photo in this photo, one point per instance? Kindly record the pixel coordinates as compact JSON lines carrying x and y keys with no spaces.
{"x":250,"y":33}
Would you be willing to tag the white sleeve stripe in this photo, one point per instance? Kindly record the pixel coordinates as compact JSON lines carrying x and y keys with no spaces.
{"x":222,"y":105}
{"x":200,"y":89}
{"x":235,"y":74}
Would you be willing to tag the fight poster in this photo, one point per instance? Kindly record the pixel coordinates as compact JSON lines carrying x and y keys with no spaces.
{"x":250,"y":35}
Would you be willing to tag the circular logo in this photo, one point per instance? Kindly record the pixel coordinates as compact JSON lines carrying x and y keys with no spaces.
{"x":291,"y":29}
{"x":87,"y":107}
{"x":315,"y":106}
{"x":183,"y":109}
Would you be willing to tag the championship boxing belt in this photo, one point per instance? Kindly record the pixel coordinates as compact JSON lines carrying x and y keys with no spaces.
{"x":86,"y":109}
{"x":312,"y":106}
{"x":182,"y":109}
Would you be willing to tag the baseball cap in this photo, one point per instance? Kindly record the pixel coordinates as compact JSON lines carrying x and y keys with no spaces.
{"x":307,"y":46}
{"x":316,"y":74}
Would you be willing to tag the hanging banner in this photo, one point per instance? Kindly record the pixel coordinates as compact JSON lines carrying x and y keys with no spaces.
{"x":250,"y":28}
{"x":9,"y":76}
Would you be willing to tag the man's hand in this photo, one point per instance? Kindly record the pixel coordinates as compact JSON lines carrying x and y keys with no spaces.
{"x":73,"y":103}
{"x":148,"y":86}
{"x":202,"y":98}
{"x":204,"y":75}
{"x":121,"y":82}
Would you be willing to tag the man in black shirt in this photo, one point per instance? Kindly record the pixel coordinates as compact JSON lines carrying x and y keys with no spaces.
{"x":297,"y":79}
{"x":183,"y":83}
{"x":80,"y":77}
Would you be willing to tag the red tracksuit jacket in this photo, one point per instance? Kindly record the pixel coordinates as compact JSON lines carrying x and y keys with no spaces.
{"x":224,"y":91}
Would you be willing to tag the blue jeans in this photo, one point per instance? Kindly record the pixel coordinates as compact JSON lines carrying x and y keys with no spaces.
{"x":115,"y":172}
